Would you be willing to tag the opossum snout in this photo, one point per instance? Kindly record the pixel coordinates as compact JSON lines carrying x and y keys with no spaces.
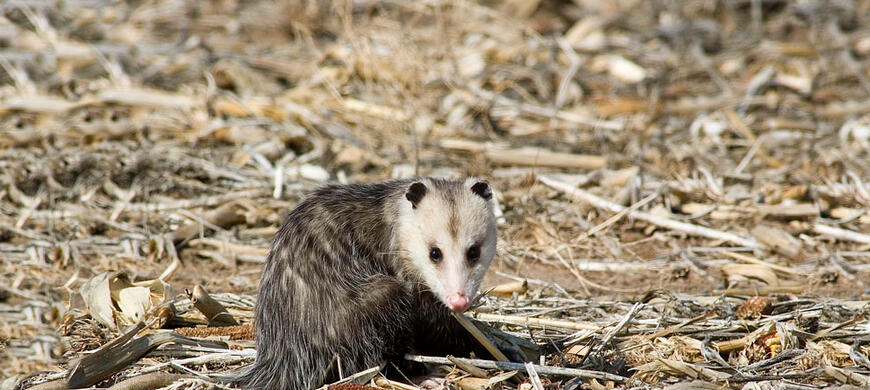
{"x":457,"y":302}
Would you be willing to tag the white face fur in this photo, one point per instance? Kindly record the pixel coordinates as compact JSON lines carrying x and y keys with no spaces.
{"x":448,"y":231}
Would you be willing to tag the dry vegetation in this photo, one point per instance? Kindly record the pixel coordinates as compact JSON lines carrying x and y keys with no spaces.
{"x":658,"y":165}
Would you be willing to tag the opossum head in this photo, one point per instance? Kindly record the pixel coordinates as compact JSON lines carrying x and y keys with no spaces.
{"x":447,"y":231}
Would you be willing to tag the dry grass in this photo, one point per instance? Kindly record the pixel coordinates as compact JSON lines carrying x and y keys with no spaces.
{"x":685,"y":155}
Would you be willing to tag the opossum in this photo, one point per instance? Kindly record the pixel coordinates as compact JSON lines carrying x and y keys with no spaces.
{"x":364,"y":273}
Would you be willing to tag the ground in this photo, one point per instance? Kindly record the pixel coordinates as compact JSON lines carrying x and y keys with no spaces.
{"x":167,"y":139}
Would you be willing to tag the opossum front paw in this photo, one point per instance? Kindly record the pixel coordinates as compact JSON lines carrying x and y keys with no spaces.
{"x":430,"y":382}
{"x":512,"y":352}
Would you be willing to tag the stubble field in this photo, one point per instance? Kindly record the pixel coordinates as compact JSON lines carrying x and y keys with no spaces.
{"x":657,"y":165}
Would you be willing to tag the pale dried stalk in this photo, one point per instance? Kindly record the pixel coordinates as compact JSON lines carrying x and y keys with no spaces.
{"x":546,"y":370}
{"x":572,"y":325}
{"x":533,"y":376}
{"x":230,"y":247}
{"x":841,"y":234}
{"x":480,"y":337}
{"x":229,"y":357}
{"x":618,"y":216}
{"x":526,"y":156}
{"x":216,"y":313}
{"x":477,"y":94}
{"x":752,"y":260}
{"x":584,"y":196}
{"x":199,"y":202}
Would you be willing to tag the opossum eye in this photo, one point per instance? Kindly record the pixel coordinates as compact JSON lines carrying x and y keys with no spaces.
{"x":435,"y":255}
{"x":473,"y":254}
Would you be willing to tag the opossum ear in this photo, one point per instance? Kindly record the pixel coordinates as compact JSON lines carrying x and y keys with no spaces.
{"x":482,"y":188}
{"x":415,"y":193}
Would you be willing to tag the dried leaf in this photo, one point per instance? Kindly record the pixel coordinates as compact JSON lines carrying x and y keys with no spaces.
{"x":98,"y":299}
{"x":134,"y":302}
{"x":751,"y":271}
{"x":113,"y":300}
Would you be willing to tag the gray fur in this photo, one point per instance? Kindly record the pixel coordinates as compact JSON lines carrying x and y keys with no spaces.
{"x":340,"y":280}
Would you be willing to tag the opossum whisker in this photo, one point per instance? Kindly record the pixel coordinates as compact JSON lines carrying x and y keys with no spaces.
{"x":478,"y":298}
{"x":399,"y":370}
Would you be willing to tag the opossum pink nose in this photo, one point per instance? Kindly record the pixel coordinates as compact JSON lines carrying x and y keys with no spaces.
{"x":457,"y":302}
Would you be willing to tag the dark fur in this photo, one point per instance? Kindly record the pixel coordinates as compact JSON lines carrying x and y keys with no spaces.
{"x":415,"y":193}
{"x":334,"y":285}
{"x":482,"y":188}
